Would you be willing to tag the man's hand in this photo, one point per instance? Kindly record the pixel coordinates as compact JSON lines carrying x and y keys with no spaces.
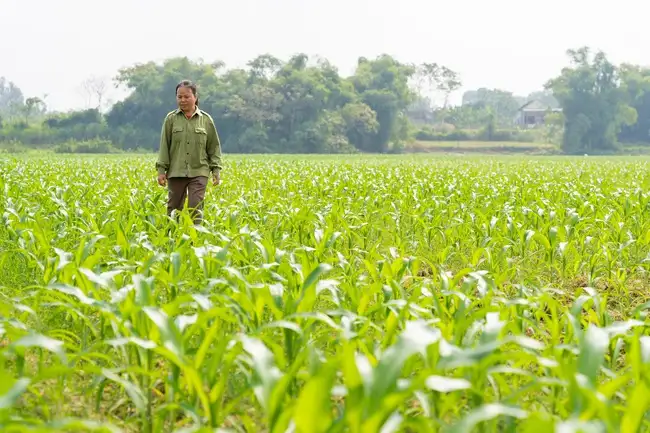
{"x":216,"y":178}
{"x":162,"y":179}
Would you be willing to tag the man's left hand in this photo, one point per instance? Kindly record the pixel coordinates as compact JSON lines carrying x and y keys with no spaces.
{"x":216,"y":178}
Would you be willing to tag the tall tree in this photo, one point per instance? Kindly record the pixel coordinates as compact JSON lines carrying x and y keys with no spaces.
{"x":95,"y":90}
{"x":271,"y":106}
{"x":383,"y":85}
{"x":636,"y":84}
{"x":33,"y":106}
{"x":593,"y":103}
{"x":432,"y":80}
{"x":502,"y":104}
{"x":11,"y":98}
{"x":264,"y":67}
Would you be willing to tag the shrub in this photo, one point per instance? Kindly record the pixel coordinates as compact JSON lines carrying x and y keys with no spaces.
{"x":427,"y":134}
{"x":87,"y":146}
{"x":514,"y":135}
{"x":12,"y":146}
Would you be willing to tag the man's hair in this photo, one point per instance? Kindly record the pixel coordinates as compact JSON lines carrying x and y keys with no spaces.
{"x":191,"y":85}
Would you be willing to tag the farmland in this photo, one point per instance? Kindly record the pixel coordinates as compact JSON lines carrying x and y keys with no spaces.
{"x":327,"y":294}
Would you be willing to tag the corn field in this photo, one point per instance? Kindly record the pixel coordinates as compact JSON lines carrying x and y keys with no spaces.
{"x":359,"y":294}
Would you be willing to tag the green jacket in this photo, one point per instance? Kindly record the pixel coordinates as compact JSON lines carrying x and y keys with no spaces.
{"x":189,"y":147}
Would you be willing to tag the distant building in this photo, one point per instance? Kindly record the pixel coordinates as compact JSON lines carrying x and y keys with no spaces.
{"x":533,"y":113}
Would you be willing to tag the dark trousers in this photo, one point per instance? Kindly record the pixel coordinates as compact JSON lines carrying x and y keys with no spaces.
{"x":190,"y":188}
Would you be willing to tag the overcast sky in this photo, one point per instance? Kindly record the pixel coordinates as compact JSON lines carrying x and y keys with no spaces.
{"x":53,"y":45}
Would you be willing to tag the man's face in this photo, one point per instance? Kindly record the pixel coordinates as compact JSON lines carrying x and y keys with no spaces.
{"x":185,"y":98}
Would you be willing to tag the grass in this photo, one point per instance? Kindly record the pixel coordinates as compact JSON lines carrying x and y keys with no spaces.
{"x":482,"y":147}
{"x":327,"y":294}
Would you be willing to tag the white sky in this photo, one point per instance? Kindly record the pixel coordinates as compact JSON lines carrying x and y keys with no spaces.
{"x":51,"y":46}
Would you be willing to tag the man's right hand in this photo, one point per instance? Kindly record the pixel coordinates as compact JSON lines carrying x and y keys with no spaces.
{"x":162,"y":179}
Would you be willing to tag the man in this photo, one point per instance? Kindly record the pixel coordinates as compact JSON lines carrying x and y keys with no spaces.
{"x":190,"y":151}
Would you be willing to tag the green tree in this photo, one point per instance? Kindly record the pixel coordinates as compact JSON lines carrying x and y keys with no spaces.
{"x":304,"y":97}
{"x":383,"y":85}
{"x":501,"y":103}
{"x":152,"y":88}
{"x":264,"y":67}
{"x":554,"y":124}
{"x":432,"y":78}
{"x":11,"y":98}
{"x":249,"y":115}
{"x":593,"y":103}
{"x":361,"y":124}
{"x":293,"y":106}
{"x":33,"y":106}
{"x":471,"y":116}
{"x":636,"y":84}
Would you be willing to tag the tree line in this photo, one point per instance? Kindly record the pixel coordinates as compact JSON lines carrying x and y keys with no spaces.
{"x":305,"y":105}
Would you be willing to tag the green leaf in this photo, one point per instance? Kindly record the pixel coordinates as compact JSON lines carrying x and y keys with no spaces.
{"x":78,"y":425}
{"x":417,"y":336}
{"x":486,"y":413}
{"x":636,"y":408}
{"x":309,"y":290}
{"x":170,"y":334}
{"x":354,"y":388}
{"x":266,"y":374}
{"x":593,"y":347}
{"x":313,"y":412}
{"x":101,"y":280}
{"x":143,"y":290}
{"x":315,"y":274}
{"x":118,"y":342}
{"x":392,"y":424}
{"x":64,"y":258}
{"x":9,"y":398}
{"x":135,"y":394}
{"x":446,"y":384}
{"x":493,"y":326}
{"x":580,"y":426}
{"x":42,"y":342}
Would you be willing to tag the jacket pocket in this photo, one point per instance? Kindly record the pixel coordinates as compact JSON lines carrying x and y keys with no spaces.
{"x":177,"y":135}
{"x":201,"y":135}
{"x":200,"y":154}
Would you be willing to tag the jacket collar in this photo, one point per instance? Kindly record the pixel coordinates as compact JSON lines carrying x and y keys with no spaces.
{"x":196,"y":113}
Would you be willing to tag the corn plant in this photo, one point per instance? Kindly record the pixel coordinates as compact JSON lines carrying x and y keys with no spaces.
{"x":364,"y":294}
